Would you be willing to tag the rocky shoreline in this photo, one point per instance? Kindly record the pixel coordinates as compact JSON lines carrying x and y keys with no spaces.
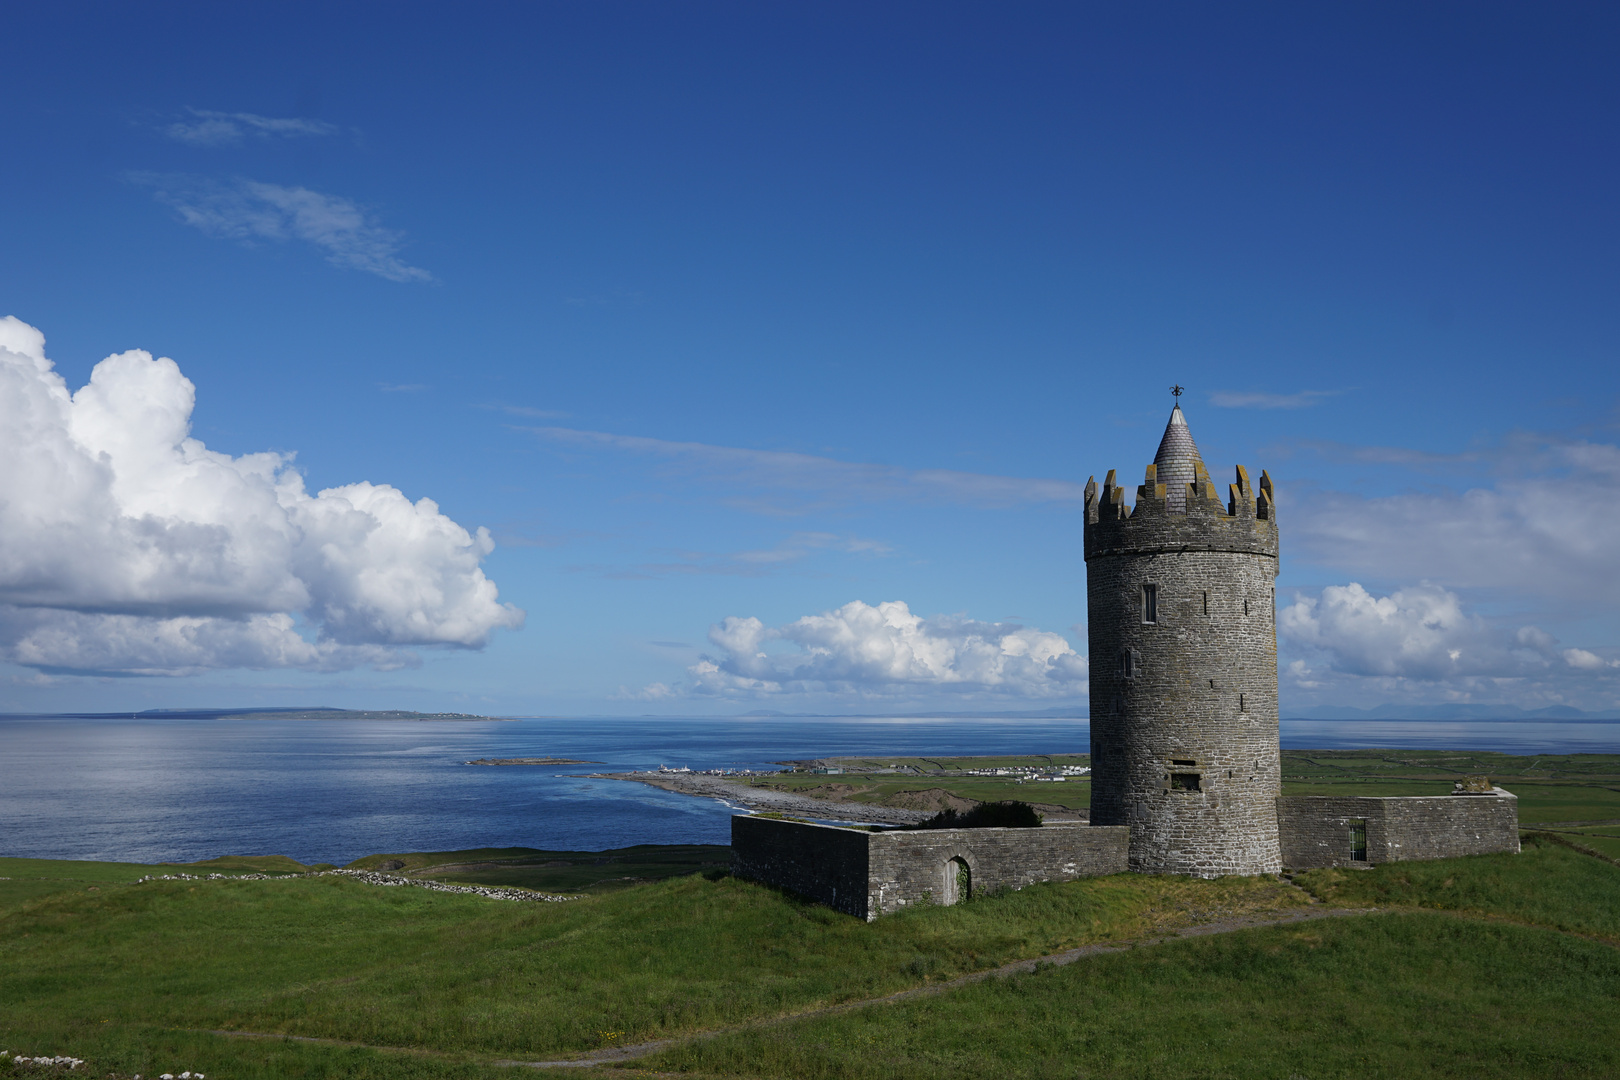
{"x":781,"y":802}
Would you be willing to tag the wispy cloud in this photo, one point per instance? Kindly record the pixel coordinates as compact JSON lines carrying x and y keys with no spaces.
{"x":1238,"y":399}
{"x":1546,"y":533}
{"x":755,"y":563}
{"x":822,"y":479}
{"x":243,"y":209}
{"x":1403,"y":456}
{"x":209,"y":128}
{"x":533,"y":414}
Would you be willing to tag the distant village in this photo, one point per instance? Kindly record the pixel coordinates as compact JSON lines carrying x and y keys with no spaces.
{"x":1019,"y":773}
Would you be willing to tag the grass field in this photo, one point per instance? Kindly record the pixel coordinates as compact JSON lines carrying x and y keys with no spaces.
{"x":1562,"y":791}
{"x":557,"y":871}
{"x":1412,"y":995}
{"x":1526,"y":985}
{"x":101,"y":967}
{"x":1488,"y":966}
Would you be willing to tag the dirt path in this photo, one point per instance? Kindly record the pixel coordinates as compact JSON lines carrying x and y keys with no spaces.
{"x":614,"y":1054}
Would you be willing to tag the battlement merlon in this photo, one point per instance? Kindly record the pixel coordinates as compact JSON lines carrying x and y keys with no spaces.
{"x":1246,"y":522}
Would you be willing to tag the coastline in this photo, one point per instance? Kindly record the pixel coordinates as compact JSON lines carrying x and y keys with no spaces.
{"x":735,"y":794}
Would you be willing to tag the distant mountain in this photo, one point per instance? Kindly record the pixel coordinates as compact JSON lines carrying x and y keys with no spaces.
{"x":282,"y":713}
{"x":1547,"y":714}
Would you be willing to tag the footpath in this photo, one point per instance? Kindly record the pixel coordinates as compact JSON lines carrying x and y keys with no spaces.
{"x":615,"y":1054}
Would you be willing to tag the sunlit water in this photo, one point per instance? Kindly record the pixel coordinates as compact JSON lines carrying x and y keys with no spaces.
{"x":148,"y":790}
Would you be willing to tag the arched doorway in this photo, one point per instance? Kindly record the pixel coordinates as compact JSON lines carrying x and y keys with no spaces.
{"x":958,"y":882}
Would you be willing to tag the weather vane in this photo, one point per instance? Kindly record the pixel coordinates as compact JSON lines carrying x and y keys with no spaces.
{"x":1177,"y":391}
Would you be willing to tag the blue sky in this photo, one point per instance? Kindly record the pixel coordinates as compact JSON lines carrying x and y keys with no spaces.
{"x":714,"y":312}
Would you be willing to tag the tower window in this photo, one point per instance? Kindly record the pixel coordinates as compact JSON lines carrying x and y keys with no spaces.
{"x":1206,"y":602}
{"x":1245,"y":605}
{"x":1150,"y":603}
{"x":1130,"y":663}
{"x":1183,"y":761}
{"x":1184,"y":781}
{"x":1243,"y":703}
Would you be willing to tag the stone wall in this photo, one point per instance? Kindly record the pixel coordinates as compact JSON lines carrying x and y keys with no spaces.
{"x":1316,"y":829}
{"x":1184,"y":718}
{"x":823,"y":863}
{"x":868,"y":874}
{"x":915,"y":867}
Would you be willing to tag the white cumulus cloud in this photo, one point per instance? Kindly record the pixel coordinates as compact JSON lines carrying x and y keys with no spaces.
{"x":1420,"y":632}
{"x":884,"y":650}
{"x":128,"y":546}
{"x":251,"y":210}
{"x":1349,"y":643}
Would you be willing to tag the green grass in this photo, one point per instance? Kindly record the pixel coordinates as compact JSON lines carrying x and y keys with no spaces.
{"x":573,"y":872}
{"x":1515,"y":978}
{"x":1413,"y":995}
{"x":1551,"y":787}
{"x":400,"y":967}
{"x":1604,"y":839}
{"x":1548,"y":885}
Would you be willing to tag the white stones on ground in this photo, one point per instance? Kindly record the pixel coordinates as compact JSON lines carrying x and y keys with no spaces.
{"x":372,"y":877}
{"x":70,"y":1062}
{"x":74,"y":1063}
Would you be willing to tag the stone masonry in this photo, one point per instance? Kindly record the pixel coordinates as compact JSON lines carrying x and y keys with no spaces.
{"x":1324,"y":830}
{"x":867,"y":874}
{"x":1180,"y":601}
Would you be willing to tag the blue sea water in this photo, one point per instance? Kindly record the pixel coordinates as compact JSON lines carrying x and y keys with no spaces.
{"x":148,"y":789}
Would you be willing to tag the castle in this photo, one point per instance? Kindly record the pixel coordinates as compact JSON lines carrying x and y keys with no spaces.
{"x":1180,"y":607}
{"x":1185,"y":751}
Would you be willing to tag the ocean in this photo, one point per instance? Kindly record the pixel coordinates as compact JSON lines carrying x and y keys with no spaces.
{"x":147,"y":789}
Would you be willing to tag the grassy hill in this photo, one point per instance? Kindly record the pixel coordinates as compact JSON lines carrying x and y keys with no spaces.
{"x":1488,"y":966}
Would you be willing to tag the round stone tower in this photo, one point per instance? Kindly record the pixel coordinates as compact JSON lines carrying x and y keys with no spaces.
{"x":1180,"y":599}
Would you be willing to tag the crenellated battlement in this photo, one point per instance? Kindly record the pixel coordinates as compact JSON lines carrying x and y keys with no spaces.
{"x":1198,"y":521}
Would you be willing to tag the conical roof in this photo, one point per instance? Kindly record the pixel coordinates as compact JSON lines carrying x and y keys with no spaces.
{"x":1178,"y":461}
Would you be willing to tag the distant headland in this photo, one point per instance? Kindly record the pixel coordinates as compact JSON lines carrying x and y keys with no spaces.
{"x":262,"y":713}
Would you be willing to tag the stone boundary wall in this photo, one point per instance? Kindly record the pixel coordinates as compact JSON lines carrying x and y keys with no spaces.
{"x":907,"y":868}
{"x":867,"y":874}
{"x":1315,"y":829}
{"x":823,"y":863}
